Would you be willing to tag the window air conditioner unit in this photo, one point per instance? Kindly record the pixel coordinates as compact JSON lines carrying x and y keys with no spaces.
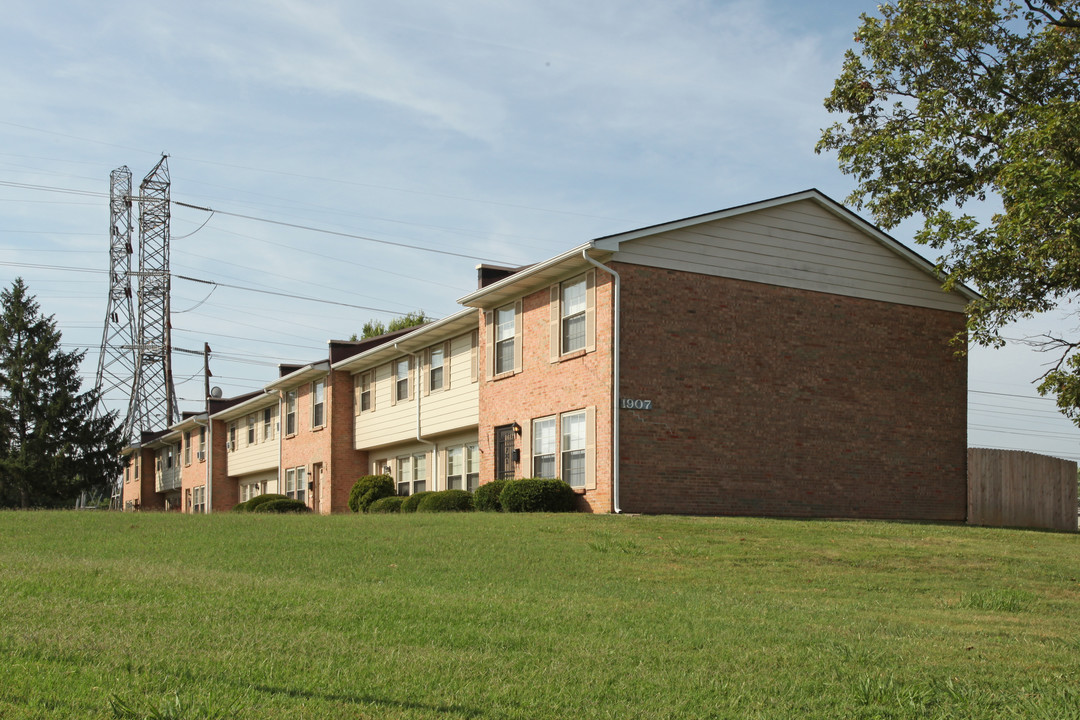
{"x":200,"y":455}
{"x":229,"y":446}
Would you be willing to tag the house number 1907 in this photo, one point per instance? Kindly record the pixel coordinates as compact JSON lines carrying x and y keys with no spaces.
{"x":628,"y":404}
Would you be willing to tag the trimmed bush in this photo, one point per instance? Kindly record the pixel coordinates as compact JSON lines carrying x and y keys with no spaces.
{"x":368,"y":489}
{"x":537,"y":495}
{"x":413,"y":500}
{"x":258,"y":500}
{"x":390,"y":504}
{"x":486,"y":496}
{"x":446,"y":501}
{"x":284,"y":505}
{"x":240,"y":507}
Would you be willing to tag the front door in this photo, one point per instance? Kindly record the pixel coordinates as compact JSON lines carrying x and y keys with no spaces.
{"x":316,"y":481}
{"x":504,"y":452}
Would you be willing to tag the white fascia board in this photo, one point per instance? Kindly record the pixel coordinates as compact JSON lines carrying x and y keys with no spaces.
{"x":507,"y":285}
{"x":298,"y":377}
{"x":451,"y":326}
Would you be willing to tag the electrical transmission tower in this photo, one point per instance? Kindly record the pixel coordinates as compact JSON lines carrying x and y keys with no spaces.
{"x":136,"y":350}
{"x":116,"y":363}
{"x":153,"y":397}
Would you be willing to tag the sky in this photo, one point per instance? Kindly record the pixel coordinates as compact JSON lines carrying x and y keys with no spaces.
{"x":353,"y":133}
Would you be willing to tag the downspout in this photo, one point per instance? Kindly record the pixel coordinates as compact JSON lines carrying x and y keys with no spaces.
{"x":280,"y":435}
{"x":209,"y":461}
{"x":419,"y":436}
{"x":615,"y":386}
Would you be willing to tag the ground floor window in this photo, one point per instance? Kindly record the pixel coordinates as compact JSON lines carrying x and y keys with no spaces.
{"x":198,"y":499}
{"x":249,"y":490}
{"x":296,"y":483}
{"x":463,"y":467}
{"x":543,"y":448}
{"x":411,"y":474}
{"x":472,"y":467}
{"x":573,"y":448}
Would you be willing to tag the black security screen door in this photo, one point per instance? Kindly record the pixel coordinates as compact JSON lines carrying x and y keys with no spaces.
{"x":504,"y":452}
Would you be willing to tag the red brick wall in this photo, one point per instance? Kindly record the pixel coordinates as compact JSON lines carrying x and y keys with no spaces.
{"x":544,"y":388}
{"x":142,"y":492}
{"x":331,"y":445}
{"x":782,"y":402}
{"x":225,"y":492}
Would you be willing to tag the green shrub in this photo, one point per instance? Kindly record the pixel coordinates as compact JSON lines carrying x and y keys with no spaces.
{"x":537,"y":495}
{"x":284,"y":505}
{"x":258,"y":500}
{"x":413,"y":501}
{"x":240,"y":507}
{"x":446,"y":501}
{"x":368,"y":489}
{"x":390,"y":504}
{"x":486,"y":496}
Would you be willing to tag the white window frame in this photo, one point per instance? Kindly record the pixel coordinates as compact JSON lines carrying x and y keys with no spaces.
{"x":318,"y":403}
{"x":432,"y":368}
{"x":290,"y":412}
{"x":187,"y":447}
{"x":455,"y":467}
{"x":411,"y":473}
{"x":268,"y":423}
{"x":572,"y":449}
{"x":296,"y":483}
{"x":505,"y":338}
{"x":198,"y":500}
{"x":252,"y":436}
{"x":545,"y":451}
{"x":472,"y":466}
{"x":397,"y":367}
{"x":565,"y":317}
{"x":364,"y":388}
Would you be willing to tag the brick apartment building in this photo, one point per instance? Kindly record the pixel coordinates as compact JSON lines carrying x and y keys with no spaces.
{"x":783,"y":358}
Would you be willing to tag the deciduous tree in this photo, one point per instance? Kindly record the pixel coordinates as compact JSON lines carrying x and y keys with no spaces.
{"x":951,"y":102}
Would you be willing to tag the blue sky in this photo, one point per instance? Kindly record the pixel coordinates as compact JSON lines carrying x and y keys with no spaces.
{"x":503,"y":131}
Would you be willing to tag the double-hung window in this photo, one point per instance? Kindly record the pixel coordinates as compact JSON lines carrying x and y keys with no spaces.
{"x":198,"y":499}
{"x":411,"y":474}
{"x":573,"y":448}
{"x":543,"y":448}
{"x":202,"y":442}
{"x":401,"y":379}
{"x":187,"y":447}
{"x":504,"y":339}
{"x":296,"y":483}
{"x":572,"y":321}
{"x":290,"y":412}
{"x":435,"y":373}
{"x":232,"y":436}
{"x":362,"y":392}
{"x":318,"y":403}
{"x":250,"y":429}
{"x":267,"y":422}
{"x":472,"y":467}
{"x":455,"y":468}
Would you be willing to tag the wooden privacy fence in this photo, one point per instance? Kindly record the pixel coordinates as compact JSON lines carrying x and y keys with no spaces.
{"x":1011,"y":488}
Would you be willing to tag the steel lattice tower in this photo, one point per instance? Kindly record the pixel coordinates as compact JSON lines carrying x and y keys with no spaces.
{"x":116,"y":363}
{"x":153,"y":397}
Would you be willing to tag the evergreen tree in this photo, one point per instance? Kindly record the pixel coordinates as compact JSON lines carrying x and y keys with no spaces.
{"x":52,"y":447}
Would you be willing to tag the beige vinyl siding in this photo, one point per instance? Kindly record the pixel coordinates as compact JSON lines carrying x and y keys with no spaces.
{"x":246,"y":459}
{"x":455,"y":407}
{"x":267,"y":479}
{"x":799,"y":245}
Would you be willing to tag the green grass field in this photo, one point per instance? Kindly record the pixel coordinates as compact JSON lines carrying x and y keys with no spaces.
{"x":106,"y":615}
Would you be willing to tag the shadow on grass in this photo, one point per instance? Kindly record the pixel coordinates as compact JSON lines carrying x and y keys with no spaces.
{"x":358,"y":699}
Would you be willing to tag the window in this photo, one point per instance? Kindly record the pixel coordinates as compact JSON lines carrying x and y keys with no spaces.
{"x":232,"y":436}
{"x":573,"y":448}
{"x":401,"y":379}
{"x":411,"y":474}
{"x":504,"y":339}
{"x":296,"y":483}
{"x":572,"y":324}
{"x":138,"y":466}
{"x":543,"y":448}
{"x":250,"y":429}
{"x":362,"y":392}
{"x":202,"y":442}
{"x":455,"y":468}
{"x":435,"y":373}
{"x":472,"y":467}
{"x":249,"y":490}
{"x":187,"y":447}
{"x":198,"y":499}
{"x":318,"y":403}
{"x":290,"y":412}
{"x":268,"y":427}
{"x":169,"y":460}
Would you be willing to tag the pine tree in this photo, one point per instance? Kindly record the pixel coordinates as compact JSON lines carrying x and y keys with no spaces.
{"x":52,"y":447}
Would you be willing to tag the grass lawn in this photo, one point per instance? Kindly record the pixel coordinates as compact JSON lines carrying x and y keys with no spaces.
{"x":108,"y":615}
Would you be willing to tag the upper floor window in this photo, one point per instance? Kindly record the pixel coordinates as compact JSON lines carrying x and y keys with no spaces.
{"x":232,"y":436}
{"x":504,"y":339}
{"x":187,"y":447}
{"x":362,"y":392}
{"x":573,"y":315}
{"x":401,"y":379}
{"x":202,"y":442}
{"x":435,"y":374}
{"x":267,"y":421}
{"x":290,"y":412}
{"x":251,"y":429}
{"x":318,"y":403}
